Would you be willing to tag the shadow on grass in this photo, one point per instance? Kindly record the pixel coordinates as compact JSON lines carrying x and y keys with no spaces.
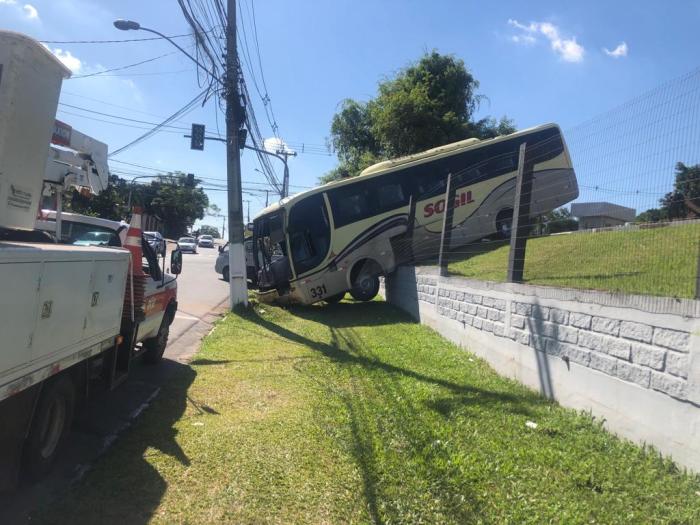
{"x":377,"y":392}
{"x":124,"y":487}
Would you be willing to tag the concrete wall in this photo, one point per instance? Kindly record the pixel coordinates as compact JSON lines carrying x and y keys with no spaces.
{"x":633,"y":361}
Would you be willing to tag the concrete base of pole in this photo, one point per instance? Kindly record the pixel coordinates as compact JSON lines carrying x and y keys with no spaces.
{"x":238,"y":283}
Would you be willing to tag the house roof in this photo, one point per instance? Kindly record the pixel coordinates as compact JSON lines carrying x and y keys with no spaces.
{"x":603,"y":209}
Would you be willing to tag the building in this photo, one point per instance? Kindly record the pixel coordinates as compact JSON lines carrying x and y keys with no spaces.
{"x":601,"y":214}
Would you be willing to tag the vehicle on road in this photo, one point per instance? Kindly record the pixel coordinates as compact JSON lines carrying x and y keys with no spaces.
{"x":221,"y":265}
{"x":346,"y":234}
{"x":206,"y":241}
{"x":187,"y":244}
{"x":72,"y":312}
{"x":157,"y":242}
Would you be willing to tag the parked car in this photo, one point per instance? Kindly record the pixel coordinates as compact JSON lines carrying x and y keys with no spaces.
{"x":221,"y":264}
{"x":156,"y":241}
{"x":206,"y":241}
{"x":187,"y":244}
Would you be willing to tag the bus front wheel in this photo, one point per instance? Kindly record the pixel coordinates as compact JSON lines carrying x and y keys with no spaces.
{"x":365,"y":286}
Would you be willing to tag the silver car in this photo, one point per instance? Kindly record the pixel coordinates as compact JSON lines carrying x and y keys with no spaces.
{"x":221,"y":264}
{"x":206,"y":241}
{"x":187,"y":244}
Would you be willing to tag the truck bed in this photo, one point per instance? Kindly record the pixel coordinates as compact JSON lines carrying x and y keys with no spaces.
{"x":59,"y":304}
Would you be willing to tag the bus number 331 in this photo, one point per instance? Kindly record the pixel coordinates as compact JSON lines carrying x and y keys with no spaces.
{"x":318,"y":291}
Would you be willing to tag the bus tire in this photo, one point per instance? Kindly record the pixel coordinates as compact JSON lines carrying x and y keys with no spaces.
{"x":50,"y":427}
{"x":504,"y":223}
{"x":334,"y":299}
{"x":365,"y":280}
{"x":155,"y":346}
{"x":225,"y":274}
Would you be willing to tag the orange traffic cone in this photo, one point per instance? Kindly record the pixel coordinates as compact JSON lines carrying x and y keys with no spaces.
{"x":136,"y":285}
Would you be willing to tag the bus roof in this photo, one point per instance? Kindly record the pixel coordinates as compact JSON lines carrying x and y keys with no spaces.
{"x":386,"y":166}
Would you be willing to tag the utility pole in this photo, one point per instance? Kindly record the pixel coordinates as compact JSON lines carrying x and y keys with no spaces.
{"x":247,"y":202}
{"x":267,"y":198}
{"x":237,"y":272}
{"x":285,"y":181}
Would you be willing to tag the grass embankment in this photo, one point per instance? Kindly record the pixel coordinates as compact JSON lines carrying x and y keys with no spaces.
{"x":661,"y":261}
{"x":355,"y":414}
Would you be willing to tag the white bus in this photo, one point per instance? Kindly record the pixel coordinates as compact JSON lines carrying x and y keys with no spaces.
{"x":344,"y":235}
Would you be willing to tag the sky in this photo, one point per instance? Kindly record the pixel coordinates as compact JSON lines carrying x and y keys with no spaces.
{"x":577,"y":64}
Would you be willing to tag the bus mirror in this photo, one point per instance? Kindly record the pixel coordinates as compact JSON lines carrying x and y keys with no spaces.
{"x":176,"y":262}
{"x":221,"y":249}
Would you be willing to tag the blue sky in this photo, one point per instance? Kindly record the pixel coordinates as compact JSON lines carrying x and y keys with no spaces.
{"x":536,"y":62}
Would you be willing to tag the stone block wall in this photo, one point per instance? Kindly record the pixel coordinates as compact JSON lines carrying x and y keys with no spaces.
{"x":635,"y":361}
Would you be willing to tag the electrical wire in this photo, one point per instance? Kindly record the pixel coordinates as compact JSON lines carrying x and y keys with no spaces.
{"x":121,"y":68}
{"x":146,"y":39}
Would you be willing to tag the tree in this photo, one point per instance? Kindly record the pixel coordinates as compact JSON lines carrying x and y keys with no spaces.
{"x":172,"y":197}
{"x":681,"y":203}
{"x":559,"y":220}
{"x":427,"y":104}
{"x":209,"y":230}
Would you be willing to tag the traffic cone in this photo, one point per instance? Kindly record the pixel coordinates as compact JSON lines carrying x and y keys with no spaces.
{"x":136,"y":283}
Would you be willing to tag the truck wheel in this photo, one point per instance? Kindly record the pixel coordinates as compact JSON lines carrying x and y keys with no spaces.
{"x":50,"y":426}
{"x":334,"y":299}
{"x":365,"y":287}
{"x":225,"y":274}
{"x":155,"y":347}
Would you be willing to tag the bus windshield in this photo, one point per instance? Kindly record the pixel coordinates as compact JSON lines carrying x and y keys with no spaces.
{"x":271,"y":258}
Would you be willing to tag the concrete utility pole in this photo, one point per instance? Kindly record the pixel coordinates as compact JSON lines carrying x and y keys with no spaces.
{"x":285,"y":181}
{"x":237,"y":272}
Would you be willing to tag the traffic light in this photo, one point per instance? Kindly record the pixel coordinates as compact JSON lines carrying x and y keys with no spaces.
{"x":197,"y":137}
{"x":189,"y":181}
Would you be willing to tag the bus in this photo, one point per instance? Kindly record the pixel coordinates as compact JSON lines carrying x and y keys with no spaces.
{"x":343,"y":236}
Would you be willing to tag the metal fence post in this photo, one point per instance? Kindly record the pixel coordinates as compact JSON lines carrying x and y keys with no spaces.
{"x":697,"y":275}
{"x":446,"y":234}
{"x":521,"y":218}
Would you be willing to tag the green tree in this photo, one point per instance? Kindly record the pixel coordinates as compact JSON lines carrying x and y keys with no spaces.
{"x":173,"y":199}
{"x":427,"y":104}
{"x":205,"y":229}
{"x":683,"y":202}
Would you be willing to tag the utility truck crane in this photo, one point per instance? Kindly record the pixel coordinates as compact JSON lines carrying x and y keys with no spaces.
{"x":70,"y":314}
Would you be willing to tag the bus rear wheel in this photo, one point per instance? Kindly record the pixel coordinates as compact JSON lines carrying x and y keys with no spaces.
{"x":365,"y":286}
{"x":504,"y":223}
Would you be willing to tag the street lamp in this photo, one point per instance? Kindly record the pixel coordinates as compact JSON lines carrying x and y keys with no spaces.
{"x":129,"y":25}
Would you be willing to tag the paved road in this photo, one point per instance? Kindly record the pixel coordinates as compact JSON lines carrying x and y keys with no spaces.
{"x":202,"y":297}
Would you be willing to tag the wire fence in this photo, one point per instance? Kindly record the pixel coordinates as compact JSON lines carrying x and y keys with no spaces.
{"x":632,"y":226}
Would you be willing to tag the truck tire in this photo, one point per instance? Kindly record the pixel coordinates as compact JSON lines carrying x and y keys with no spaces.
{"x":50,"y":426}
{"x":226,"y":274}
{"x":155,"y":346}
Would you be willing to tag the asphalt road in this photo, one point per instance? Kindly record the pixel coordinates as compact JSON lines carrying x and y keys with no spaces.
{"x":202,"y":297}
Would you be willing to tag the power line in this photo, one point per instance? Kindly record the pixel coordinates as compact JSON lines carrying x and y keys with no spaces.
{"x":112,"y":41}
{"x":180,"y":112}
{"x":120,"y":68}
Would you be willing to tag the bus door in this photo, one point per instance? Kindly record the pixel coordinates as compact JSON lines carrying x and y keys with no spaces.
{"x":270,"y":252}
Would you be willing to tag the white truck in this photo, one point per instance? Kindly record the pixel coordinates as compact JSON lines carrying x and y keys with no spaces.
{"x":69,"y":314}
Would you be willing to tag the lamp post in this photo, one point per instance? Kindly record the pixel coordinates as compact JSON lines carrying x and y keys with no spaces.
{"x":238,"y":293}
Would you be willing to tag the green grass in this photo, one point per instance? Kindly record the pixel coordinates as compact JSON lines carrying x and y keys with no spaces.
{"x":355,"y":414}
{"x":661,"y":261}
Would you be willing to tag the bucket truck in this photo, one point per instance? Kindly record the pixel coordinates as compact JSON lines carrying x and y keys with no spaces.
{"x":69,"y":314}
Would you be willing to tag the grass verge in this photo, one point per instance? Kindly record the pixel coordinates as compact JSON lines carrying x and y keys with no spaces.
{"x":353,"y":413}
{"x":661,"y":261}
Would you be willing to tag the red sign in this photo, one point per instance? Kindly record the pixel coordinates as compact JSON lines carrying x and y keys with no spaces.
{"x":438,"y":207}
{"x":61,"y":133}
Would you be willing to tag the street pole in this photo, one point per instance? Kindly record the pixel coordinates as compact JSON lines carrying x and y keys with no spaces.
{"x":267,"y":198}
{"x":238,"y":287}
{"x":223,"y":229}
{"x":285,"y":180}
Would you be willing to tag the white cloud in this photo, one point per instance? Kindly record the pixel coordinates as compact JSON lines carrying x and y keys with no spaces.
{"x":619,"y":51}
{"x":30,"y":11}
{"x":69,"y":60}
{"x":274,"y":145}
{"x":8,"y":2}
{"x":567,"y":48}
